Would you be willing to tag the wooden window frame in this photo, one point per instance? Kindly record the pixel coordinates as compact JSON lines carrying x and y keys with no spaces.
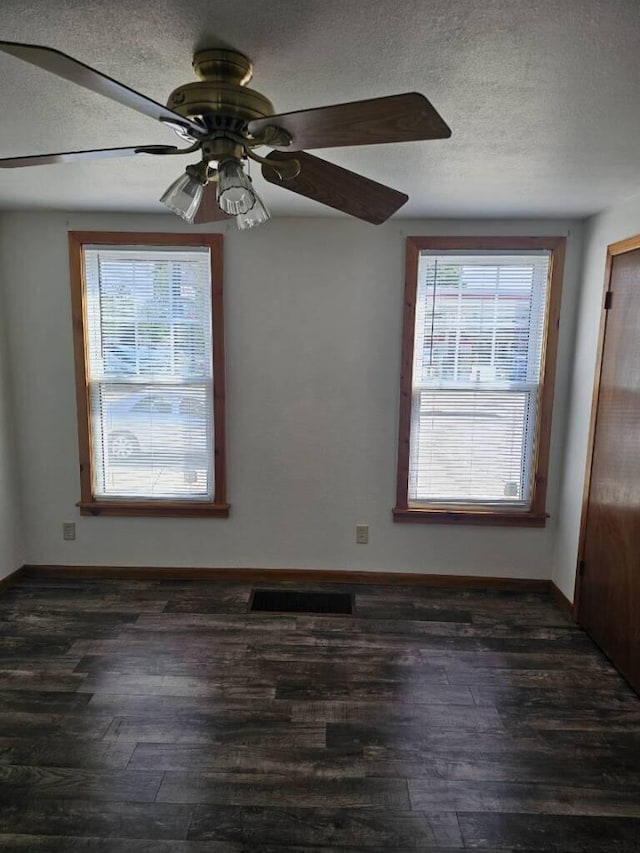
{"x":535,"y":515}
{"x":88,"y":504}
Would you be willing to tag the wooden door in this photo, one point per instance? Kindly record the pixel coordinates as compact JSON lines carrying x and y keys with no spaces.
{"x":609,"y":606}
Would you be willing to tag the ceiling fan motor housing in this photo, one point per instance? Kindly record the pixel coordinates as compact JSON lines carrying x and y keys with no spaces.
{"x":221,"y":96}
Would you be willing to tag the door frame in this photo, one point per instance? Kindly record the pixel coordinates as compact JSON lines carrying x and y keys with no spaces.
{"x":630,"y":244}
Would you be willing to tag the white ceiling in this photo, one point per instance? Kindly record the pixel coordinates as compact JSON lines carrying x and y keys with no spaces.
{"x":543,"y":96}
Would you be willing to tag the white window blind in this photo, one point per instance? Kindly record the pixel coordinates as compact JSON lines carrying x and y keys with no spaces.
{"x":149,"y":372}
{"x":479,"y":338}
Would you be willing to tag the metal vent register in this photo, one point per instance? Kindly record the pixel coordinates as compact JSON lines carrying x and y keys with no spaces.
{"x":295,"y":601}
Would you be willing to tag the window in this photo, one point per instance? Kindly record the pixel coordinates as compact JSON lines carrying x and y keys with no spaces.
{"x":149,"y":353}
{"x":478,"y":363}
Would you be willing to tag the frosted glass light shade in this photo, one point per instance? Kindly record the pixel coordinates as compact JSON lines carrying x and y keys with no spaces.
{"x":256,"y":216}
{"x":184,"y":196}
{"x":235,"y":193}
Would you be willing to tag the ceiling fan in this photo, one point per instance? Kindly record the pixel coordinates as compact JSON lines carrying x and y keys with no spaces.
{"x":225,"y":121}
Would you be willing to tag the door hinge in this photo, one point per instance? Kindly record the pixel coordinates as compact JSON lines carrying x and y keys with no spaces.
{"x":608,"y":299}
{"x":581,"y":568}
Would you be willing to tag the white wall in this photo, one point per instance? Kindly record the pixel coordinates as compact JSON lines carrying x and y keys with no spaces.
{"x":313,"y":324}
{"x":608,"y":227}
{"x":11,"y":545}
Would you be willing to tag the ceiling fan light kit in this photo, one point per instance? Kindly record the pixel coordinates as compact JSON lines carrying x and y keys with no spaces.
{"x":184,"y":196}
{"x":256,"y":215}
{"x":225,"y":120}
{"x":235,"y":194}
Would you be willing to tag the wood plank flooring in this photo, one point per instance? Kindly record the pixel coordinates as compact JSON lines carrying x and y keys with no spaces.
{"x":162,"y":717}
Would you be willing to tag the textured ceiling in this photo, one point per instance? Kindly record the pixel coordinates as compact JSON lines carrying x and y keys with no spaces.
{"x":542,"y":97}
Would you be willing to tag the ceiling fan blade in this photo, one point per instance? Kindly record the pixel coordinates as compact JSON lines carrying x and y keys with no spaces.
{"x":74,"y":156}
{"x":337,"y":187}
{"x":77,"y":72}
{"x":397,"y":118}
{"x":209,"y":210}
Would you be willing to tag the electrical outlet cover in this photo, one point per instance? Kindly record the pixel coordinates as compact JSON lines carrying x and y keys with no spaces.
{"x":362,"y":534}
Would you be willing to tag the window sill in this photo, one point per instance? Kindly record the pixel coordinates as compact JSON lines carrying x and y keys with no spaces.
{"x":160,"y":509}
{"x":503,"y":518}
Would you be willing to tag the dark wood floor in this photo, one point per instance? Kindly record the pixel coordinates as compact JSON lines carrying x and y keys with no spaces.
{"x":161,"y":716}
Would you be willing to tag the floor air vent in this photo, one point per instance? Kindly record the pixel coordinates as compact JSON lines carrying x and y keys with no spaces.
{"x":294,"y":601}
